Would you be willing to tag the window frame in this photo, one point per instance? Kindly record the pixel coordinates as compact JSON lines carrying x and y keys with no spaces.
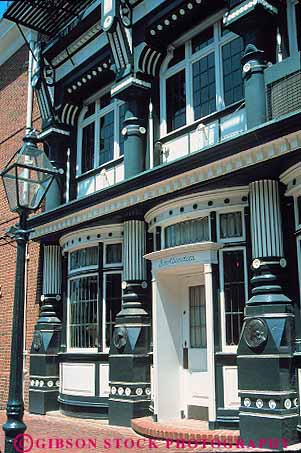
{"x":99,"y":113}
{"x":224,"y":346}
{"x":231,"y":210}
{"x":101,"y":273}
{"x":292,"y":26}
{"x":186,"y":65}
{"x":178,"y":219}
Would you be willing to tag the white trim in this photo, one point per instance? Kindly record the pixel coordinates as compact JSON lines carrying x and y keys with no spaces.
{"x":225,"y":347}
{"x":186,"y":64}
{"x":292,"y":26}
{"x":103,"y":231}
{"x":261,"y":153}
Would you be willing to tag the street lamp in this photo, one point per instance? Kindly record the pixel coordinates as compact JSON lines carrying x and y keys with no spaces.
{"x":26,"y":178}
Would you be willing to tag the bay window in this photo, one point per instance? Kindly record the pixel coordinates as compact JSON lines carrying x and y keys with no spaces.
{"x":99,"y":133}
{"x":94,"y":296}
{"x":204,"y":76}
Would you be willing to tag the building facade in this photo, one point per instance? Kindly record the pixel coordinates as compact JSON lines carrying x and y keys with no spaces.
{"x":171,"y":249}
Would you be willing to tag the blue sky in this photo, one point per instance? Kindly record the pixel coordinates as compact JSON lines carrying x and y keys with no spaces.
{"x":3,"y":6}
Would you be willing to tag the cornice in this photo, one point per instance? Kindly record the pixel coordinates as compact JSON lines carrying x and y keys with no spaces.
{"x":170,"y":185}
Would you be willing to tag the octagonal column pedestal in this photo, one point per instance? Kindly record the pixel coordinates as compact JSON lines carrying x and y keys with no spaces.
{"x":130,"y":388}
{"x":44,"y":367}
{"x":266,"y":373}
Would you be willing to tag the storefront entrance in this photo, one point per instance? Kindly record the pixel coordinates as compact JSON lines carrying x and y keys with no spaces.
{"x":183,"y":375}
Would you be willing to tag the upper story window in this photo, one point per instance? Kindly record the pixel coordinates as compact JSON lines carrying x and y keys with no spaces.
{"x":204,"y":76}
{"x":188,"y":232}
{"x":99,"y":133}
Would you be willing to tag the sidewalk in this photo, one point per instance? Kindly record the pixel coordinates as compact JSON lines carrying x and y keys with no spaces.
{"x":57,"y":433}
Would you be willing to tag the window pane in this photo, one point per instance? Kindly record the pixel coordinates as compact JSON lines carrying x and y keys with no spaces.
{"x":176,"y":101}
{"x":230,"y":225}
{"x":83,"y":258}
{"x":113,"y":253}
{"x":187,"y":232}
{"x":106,"y":141}
{"x":113,"y":303}
{"x":83,"y":312}
{"x":197,"y":317}
{"x":232,"y":71}
{"x":202,"y":40}
{"x":234,"y":292}
{"x":204,"y":101}
{"x":88,"y":148}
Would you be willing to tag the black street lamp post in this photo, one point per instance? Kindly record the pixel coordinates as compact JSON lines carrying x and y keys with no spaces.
{"x":26,"y":178}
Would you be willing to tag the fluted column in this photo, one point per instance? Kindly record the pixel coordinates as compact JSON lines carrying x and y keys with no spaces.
{"x":129,"y":352}
{"x":266,"y":372}
{"x":44,"y":372}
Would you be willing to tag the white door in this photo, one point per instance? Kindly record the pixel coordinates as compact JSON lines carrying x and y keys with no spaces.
{"x":195,"y":357}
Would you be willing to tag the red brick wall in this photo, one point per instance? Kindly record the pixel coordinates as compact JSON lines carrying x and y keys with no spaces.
{"x":13,"y":100}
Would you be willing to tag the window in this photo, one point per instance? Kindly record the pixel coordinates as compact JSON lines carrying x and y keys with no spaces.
{"x":197,"y":317}
{"x":94,"y":296}
{"x":294,"y":25}
{"x":99,"y":134}
{"x":187,"y":232}
{"x":231,"y":225}
{"x":204,"y":76}
{"x":234,"y":287}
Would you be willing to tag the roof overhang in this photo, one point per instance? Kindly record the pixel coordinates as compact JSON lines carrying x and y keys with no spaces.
{"x":45,"y":16}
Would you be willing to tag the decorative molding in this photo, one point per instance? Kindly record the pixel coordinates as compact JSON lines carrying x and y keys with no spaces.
{"x":261,"y":153}
{"x":196,"y":205}
{"x":245,"y":7}
{"x":129,"y":81}
{"x":90,"y":75}
{"x":92,"y":32}
{"x":91,"y":236}
{"x":292,"y":179}
{"x":150,"y":60}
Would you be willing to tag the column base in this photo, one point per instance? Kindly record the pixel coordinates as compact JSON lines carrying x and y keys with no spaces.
{"x":276,"y":435}
{"x":41,"y":401}
{"x":121,"y":413}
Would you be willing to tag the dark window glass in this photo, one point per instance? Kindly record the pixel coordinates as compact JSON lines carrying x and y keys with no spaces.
{"x":204,"y":91}
{"x":230,"y":225}
{"x":187,"y":232}
{"x":113,"y":253}
{"x":176,"y":101}
{"x":88,"y":148}
{"x":106,"y":142}
{"x":178,"y":55}
{"x":197,"y":317}
{"x":113,"y":303}
{"x":202,"y":40}
{"x":234,"y":290}
{"x":105,"y":100}
{"x":83,"y":258}
{"x":83,"y":312}
{"x":232,"y":71}
{"x":122,"y":112}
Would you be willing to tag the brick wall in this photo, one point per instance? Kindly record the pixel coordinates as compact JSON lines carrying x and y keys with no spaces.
{"x":13,"y":100}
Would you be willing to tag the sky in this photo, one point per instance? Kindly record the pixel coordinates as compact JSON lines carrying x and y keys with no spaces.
{"x":3,"y":6}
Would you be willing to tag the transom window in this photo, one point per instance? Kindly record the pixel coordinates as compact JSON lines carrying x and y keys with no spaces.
{"x":188,"y":232}
{"x":94,"y":296}
{"x":99,"y":133}
{"x":204,"y":76}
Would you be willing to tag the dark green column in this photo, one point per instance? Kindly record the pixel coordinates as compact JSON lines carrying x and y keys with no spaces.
{"x":44,"y":368}
{"x":256,"y":22}
{"x":57,"y":140}
{"x":130,"y":390}
{"x":266,"y":372}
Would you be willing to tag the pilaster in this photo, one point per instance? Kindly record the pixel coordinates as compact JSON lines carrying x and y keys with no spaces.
{"x":130,"y":394}
{"x":44,"y":371}
{"x":266,"y":373}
